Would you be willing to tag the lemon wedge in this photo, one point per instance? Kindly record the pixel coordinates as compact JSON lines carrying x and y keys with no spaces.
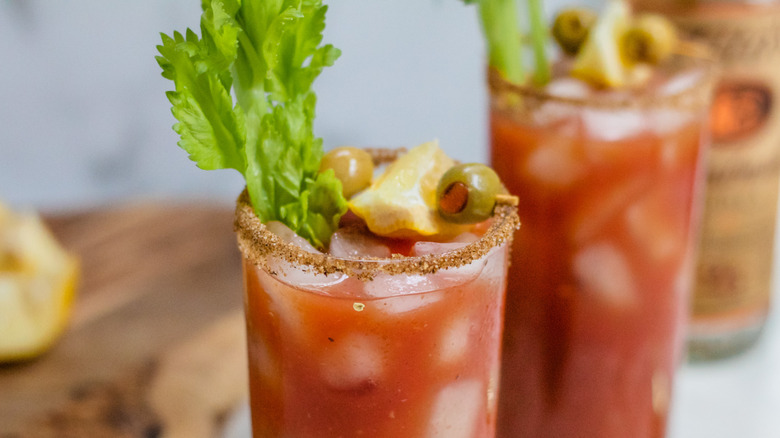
{"x":401,"y":202}
{"x":600,"y":61}
{"x":37,"y":285}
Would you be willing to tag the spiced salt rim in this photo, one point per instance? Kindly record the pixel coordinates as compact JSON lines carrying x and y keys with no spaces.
{"x":690,"y":57}
{"x":257,"y":243}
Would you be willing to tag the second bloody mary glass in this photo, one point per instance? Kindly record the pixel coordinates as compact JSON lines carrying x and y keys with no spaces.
{"x":361,"y":347}
{"x":610,"y":189}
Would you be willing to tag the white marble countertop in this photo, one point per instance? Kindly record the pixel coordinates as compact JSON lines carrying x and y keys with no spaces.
{"x":738,"y":397}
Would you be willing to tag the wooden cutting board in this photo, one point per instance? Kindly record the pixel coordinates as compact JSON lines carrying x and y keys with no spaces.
{"x":155,"y":347}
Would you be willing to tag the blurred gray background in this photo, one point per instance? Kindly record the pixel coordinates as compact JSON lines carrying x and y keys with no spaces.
{"x":84,"y":120}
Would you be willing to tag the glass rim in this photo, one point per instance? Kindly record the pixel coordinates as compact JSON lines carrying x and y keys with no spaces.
{"x":694,"y":53}
{"x":257,"y":243}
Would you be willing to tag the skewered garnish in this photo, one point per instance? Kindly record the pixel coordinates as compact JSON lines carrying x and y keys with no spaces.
{"x":600,"y":60}
{"x":571,"y":28}
{"x":402,"y":202}
{"x":611,"y":50}
{"x":619,"y":47}
{"x":466,"y":193}
{"x":352,"y":166}
{"x":650,"y":39}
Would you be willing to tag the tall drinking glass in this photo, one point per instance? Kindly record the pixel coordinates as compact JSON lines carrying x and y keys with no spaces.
{"x":610,"y":187}
{"x":365,"y":347}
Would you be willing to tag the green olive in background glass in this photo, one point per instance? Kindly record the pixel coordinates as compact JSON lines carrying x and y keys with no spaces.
{"x":353,"y":167}
{"x":651,"y":39}
{"x":466,"y":193}
{"x":571,"y":27}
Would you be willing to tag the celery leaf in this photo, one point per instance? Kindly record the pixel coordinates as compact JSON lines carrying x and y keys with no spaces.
{"x":266,"y":53}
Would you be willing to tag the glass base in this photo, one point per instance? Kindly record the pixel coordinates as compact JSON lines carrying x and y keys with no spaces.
{"x":712,"y":346}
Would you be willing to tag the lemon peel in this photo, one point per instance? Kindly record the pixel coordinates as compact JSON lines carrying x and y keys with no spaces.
{"x":601,"y":61}
{"x":38,"y":282}
{"x":401,"y":202}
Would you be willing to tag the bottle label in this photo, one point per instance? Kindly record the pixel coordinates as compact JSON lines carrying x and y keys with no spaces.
{"x":735,"y":258}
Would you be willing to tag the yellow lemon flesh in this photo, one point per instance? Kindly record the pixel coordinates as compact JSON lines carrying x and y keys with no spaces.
{"x":600,"y":61}
{"x":401,"y":202}
{"x":37,"y":286}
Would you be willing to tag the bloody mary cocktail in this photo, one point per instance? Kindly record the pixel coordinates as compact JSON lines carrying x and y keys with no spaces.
{"x":373,"y":301}
{"x":350,"y":345}
{"x":610,"y":183}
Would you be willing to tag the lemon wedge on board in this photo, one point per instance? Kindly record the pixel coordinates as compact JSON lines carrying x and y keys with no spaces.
{"x":38,"y":281}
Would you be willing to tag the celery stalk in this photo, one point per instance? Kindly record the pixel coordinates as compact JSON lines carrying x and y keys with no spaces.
{"x":539,"y":38}
{"x":502,"y":32}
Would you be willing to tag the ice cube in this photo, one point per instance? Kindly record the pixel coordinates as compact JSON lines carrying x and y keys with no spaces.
{"x":465,"y":238}
{"x":405,"y":293}
{"x":457,"y":410}
{"x":353,"y":362}
{"x":680,"y":83}
{"x":289,"y":236}
{"x":612,"y":125}
{"x":455,"y":340}
{"x":283,"y":305}
{"x":424,"y":248}
{"x":454,"y":276}
{"x":303,"y":277}
{"x":671,"y":154}
{"x":460,"y":275}
{"x":606,"y":204}
{"x":357,"y":242}
{"x":489,"y":269}
{"x":299,"y":276}
{"x":262,"y":356}
{"x":568,"y":88}
{"x":605,"y":275}
{"x":402,"y":304}
{"x":665,"y":121}
{"x":657,"y":225}
{"x":386,"y":285}
{"x":556,"y":111}
{"x":495,"y":267}
{"x":556,"y":163}
{"x":400,"y":294}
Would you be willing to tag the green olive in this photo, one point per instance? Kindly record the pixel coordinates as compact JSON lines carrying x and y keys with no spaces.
{"x":353,"y":167}
{"x":651,"y":39}
{"x":466,"y":193}
{"x":571,"y":27}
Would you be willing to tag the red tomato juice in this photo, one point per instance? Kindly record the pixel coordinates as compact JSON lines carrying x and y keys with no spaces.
{"x":601,"y":269}
{"x":399,"y":356}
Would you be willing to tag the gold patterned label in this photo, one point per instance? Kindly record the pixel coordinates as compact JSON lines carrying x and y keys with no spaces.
{"x":735,"y":258}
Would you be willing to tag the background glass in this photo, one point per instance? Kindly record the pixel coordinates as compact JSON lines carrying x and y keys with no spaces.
{"x":610,"y":188}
